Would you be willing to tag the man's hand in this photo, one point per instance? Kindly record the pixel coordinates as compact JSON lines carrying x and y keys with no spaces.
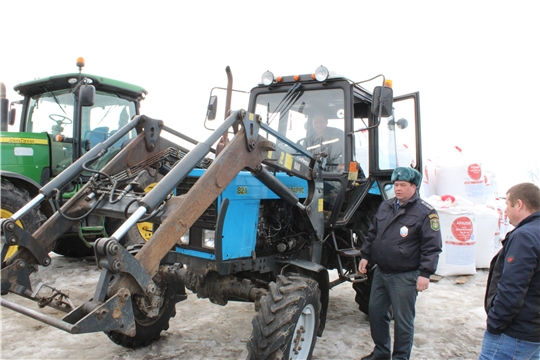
{"x":422,"y":283}
{"x":362,"y":267}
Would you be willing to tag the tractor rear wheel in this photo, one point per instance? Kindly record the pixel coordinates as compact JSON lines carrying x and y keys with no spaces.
{"x":137,"y":234}
{"x":363,"y":291}
{"x":287,"y":322}
{"x":149,"y":329}
{"x":13,"y":199}
{"x":362,"y":224}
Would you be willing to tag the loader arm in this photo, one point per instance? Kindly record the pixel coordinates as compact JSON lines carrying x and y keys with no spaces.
{"x":227,"y":165}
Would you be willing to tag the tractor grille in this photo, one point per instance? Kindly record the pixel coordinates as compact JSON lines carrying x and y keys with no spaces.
{"x":209,"y":214}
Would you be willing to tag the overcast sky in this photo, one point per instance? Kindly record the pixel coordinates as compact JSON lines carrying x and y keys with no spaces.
{"x":475,"y":63}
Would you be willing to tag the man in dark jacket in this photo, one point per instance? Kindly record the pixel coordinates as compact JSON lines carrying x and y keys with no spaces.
{"x":512,"y":299}
{"x":404,"y":242}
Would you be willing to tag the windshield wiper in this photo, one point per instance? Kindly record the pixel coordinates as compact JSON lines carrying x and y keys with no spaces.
{"x":288,"y":101}
{"x":56,"y":100}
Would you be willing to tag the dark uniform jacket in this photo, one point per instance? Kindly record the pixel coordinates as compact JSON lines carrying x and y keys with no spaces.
{"x":405,"y":239}
{"x":512,"y":299}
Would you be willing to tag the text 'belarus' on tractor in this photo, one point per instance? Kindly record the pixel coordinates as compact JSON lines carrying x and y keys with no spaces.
{"x":57,"y":125}
{"x":287,"y":199}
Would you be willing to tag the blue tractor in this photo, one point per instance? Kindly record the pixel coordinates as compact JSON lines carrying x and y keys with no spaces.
{"x":275,"y":216}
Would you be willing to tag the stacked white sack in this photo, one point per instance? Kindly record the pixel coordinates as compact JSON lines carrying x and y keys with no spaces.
{"x":458,"y":231}
{"x":487,"y":234}
{"x":458,"y":176}
{"x":429,"y":181}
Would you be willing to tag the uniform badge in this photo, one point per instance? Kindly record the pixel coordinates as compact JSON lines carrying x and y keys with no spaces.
{"x":434,"y":222}
{"x":404,"y":231}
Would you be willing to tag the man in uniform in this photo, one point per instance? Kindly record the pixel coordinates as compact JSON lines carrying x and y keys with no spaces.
{"x":404,"y":242}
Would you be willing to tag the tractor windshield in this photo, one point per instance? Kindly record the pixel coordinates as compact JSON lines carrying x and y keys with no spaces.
{"x":313,"y":119}
{"x":55,"y":113}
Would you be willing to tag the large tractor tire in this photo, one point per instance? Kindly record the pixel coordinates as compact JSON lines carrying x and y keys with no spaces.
{"x":149,"y":329}
{"x":363,"y":291}
{"x":137,"y":234}
{"x":286,"y":325}
{"x":12,"y":200}
{"x":73,"y":247}
{"x":362,"y":225}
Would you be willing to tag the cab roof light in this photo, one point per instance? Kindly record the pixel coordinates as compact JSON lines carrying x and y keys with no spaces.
{"x":267,"y":78}
{"x":321,"y":74}
{"x":296,"y":77}
{"x":388,"y":83}
{"x":279,"y":79}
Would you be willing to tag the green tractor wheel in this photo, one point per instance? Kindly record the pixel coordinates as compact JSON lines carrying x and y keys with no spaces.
{"x":12,"y":200}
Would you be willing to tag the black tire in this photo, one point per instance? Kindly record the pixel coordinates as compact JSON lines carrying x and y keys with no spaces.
{"x":148,"y":330}
{"x":137,"y":234}
{"x":134,"y":236}
{"x":361,"y":226}
{"x":12,"y":199}
{"x":363,"y":291}
{"x":292,"y":305}
{"x":73,"y":247}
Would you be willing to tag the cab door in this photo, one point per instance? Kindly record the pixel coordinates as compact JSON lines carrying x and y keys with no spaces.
{"x":399,"y":136}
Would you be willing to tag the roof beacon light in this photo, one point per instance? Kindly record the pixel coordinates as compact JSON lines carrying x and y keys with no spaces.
{"x":388,"y":83}
{"x":321,"y":73}
{"x":80,"y":63}
{"x":267,"y":78}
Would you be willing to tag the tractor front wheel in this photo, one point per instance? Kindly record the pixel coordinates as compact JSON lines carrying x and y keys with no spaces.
{"x":287,"y":322}
{"x":149,"y":329}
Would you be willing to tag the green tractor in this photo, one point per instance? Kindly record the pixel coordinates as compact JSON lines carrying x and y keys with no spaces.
{"x":60,"y":119}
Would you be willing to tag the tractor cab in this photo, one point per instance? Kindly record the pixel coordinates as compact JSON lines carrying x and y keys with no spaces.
{"x":68,"y":115}
{"x":356,"y":134}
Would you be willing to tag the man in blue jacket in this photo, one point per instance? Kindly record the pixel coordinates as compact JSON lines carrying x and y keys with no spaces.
{"x":404,"y":242}
{"x":512,"y":299}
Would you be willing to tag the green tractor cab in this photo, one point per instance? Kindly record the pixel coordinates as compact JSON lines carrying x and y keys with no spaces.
{"x":59,"y":119}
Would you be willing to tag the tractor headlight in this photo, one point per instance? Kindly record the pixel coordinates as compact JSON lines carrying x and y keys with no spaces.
{"x":184,"y":240}
{"x":321,"y":73}
{"x":208,"y":238}
{"x":267,"y":78}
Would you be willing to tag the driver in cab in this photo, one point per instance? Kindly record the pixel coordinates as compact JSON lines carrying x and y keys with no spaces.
{"x":324,"y":139}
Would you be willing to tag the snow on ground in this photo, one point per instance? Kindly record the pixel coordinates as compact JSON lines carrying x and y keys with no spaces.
{"x":450,"y":323}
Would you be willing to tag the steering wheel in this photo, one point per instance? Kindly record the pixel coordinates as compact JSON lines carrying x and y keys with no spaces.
{"x":60,"y":119}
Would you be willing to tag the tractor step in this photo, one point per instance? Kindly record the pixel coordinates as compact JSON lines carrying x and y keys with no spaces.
{"x":92,"y":230}
{"x":352,"y":252}
{"x":354,"y":277}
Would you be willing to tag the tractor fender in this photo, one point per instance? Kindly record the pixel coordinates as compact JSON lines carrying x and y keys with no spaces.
{"x":25,"y":183}
{"x":319,"y":274}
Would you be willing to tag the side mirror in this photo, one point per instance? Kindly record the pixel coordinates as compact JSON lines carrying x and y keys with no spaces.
{"x":383,"y":98}
{"x":212,"y":108}
{"x":87,"y":94}
{"x":11,"y":116}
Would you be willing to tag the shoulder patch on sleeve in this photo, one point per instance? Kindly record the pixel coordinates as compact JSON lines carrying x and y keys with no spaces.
{"x":434,"y":223}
